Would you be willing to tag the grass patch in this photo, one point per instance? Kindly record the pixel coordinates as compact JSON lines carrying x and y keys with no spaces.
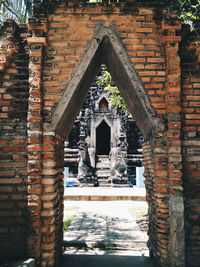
{"x":138,"y":212}
{"x":67,"y":223}
{"x":73,"y":208}
{"x":69,"y":214}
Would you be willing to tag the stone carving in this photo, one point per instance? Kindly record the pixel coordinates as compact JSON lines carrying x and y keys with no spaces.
{"x":118,"y":169}
{"x":86,"y":165}
{"x":82,"y":166}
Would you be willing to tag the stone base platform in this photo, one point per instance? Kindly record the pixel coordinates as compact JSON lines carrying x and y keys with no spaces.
{"x":104,"y":194}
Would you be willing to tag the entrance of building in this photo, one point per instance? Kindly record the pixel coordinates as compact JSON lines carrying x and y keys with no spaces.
{"x":103,"y":139}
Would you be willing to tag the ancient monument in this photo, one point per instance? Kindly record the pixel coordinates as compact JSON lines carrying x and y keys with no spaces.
{"x":105,"y":146}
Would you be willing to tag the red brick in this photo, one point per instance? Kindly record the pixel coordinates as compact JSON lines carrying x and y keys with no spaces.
{"x":4,"y":141}
{"x":14,"y":149}
{"x":145,"y":54}
{"x":145,"y":30}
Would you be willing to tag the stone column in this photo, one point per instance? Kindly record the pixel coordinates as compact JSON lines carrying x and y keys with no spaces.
{"x":173,"y":101}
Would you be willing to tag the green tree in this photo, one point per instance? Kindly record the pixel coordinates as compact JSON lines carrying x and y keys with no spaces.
{"x":18,"y":10}
{"x":189,"y":10}
{"x":105,"y":80}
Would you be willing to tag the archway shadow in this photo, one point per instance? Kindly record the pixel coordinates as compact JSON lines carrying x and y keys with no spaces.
{"x":106,"y":260}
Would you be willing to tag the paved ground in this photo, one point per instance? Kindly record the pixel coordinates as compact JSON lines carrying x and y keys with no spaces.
{"x":104,"y":234}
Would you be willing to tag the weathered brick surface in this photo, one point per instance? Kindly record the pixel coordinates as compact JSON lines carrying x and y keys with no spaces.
{"x":69,"y":33}
{"x":156,"y":174}
{"x":166,"y":61}
{"x":191,"y":146}
{"x":13,"y":142}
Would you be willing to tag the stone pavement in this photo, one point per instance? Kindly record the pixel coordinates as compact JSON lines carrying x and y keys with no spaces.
{"x":105,"y":231}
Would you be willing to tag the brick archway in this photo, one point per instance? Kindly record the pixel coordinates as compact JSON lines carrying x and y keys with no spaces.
{"x":78,"y":40}
{"x":105,"y":48}
{"x":68,"y":40}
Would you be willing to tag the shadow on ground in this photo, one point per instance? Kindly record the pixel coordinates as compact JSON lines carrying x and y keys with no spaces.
{"x":104,"y":231}
{"x":106,"y":261}
{"x":105,"y":235}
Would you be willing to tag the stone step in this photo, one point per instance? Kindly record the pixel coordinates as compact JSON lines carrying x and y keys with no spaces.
{"x":71,"y":159}
{"x":103,"y":159}
{"x":71,"y":150}
{"x":106,"y":170}
{"x":104,"y":182}
{"x":103,"y":170}
{"x":70,"y":156}
{"x":103,"y":156}
{"x":105,"y":185}
{"x":103,"y":165}
{"x":103,"y":174}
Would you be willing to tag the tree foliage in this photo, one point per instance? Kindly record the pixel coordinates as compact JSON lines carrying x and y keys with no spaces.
{"x":105,"y":80}
{"x":18,"y":10}
{"x":189,"y":10}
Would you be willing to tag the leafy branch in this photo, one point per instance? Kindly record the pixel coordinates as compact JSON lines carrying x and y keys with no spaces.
{"x":18,"y":10}
{"x":115,"y":98}
{"x":189,"y":10}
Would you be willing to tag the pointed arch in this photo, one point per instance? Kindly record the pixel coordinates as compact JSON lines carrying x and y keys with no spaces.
{"x":104,"y":118}
{"x":105,"y":48}
{"x":103,"y":105}
{"x":103,"y":95}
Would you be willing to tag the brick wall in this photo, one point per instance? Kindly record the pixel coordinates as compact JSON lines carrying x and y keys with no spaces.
{"x":70,"y":31}
{"x":13,"y":142}
{"x":155,"y":163}
{"x":191,"y":145}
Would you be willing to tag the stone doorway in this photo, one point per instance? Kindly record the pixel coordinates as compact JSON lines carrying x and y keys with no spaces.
{"x":102,"y":130}
{"x":103,"y":139}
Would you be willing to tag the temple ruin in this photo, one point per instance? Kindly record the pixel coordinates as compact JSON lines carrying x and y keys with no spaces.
{"x":104,"y":147}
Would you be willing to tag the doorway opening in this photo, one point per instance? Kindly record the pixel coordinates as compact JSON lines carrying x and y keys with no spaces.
{"x":103,"y":139}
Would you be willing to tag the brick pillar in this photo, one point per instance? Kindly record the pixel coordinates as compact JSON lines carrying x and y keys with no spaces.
{"x":173,"y":101}
{"x":160,"y":200}
{"x":50,"y":200}
{"x":35,"y":141}
{"x":155,"y":163}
